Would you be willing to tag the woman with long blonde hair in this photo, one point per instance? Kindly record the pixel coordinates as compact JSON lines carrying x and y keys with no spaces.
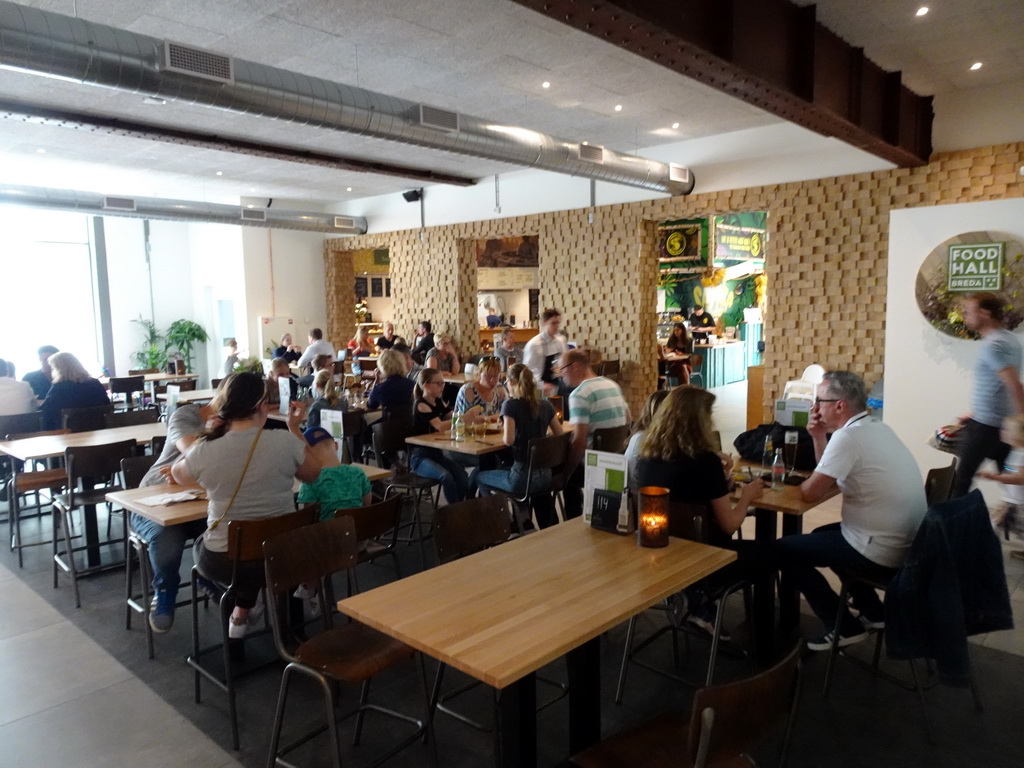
{"x":326,"y":395}
{"x":73,"y":387}
{"x":526,"y":417}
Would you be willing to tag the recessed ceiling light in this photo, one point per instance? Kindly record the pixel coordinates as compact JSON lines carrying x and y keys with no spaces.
{"x":585,"y":143}
{"x":250,"y":205}
{"x":220,"y":173}
{"x":545,"y":84}
{"x":153,"y":100}
{"x":618,"y":107}
{"x":975,"y":66}
{"x":41,"y":151}
{"x":675,"y":125}
{"x":923,"y":10}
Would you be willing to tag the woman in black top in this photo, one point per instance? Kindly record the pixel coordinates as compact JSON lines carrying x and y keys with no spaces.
{"x":72,"y":387}
{"x":526,"y":417}
{"x":679,"y":341}
{"x":431,"y":414}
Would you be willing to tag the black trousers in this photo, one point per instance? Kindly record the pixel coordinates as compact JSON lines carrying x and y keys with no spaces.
{"x":977,"y":443}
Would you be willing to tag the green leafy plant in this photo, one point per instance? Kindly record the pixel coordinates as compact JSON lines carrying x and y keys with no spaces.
{"x":153,"y":353}
{"x":249,"y":365}
{"x":183,"y":335}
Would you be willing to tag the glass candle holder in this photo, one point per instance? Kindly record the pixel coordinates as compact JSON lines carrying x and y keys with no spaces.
{"x":652,"y":525}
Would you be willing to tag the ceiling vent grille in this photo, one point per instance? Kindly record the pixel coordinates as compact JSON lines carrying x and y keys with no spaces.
{"x":198,"y":63}
{"x":344,"y":222}
{"x":254,"y":214}
{"x":592,"y":154}
{"x":679,"y":173}
{"x":438,"y":119}
{"x":119,"y":203}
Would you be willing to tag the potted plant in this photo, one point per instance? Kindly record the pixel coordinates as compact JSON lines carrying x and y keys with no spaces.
{"x":153,"y":353}
{"x":182,"y":335}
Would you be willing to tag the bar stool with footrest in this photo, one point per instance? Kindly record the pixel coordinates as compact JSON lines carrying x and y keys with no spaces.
{"x":25,"y":481}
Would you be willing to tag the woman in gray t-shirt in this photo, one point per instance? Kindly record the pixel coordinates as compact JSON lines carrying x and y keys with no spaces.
{"x":248,"y":474}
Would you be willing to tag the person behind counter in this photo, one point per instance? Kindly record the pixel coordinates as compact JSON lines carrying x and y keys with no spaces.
{"x":493,"y":318}
{"x":702,"y":324}
{"x":507,"y":349}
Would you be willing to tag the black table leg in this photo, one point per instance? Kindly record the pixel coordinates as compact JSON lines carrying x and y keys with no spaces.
{"x":764,"y":591}
{"x":517,"y":727}
{"x":584,"y":695}
{"x":92,"y":536}
{"x":789,"y":597}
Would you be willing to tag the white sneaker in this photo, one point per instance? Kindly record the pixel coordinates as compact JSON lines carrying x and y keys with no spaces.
{"x":824,"y":643}
{"x":304,"y":593}
{"x":238,"y":629}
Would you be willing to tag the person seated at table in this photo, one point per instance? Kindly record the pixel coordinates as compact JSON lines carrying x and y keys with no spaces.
{"x":326,"y":395}
{"x":232,"y":359}
{"x":394,"y":394}
{"x":507,"y":348}
{"x":40,"y":380}
{"x":361,"y":345}
{"x":15,"y":396}
{"x":287,"y":350}
{"x":412,"y":368}
{"x":248,"y":473}
{"x":424,"y":341}
{"x":479,"y":402}
{"x":280,"y":370}
{"x":526,"y":416}
{"x":338,"y":486}
{"x":387,"y":341}
{"x":317,"y":346}
{"x":431,"y":414}
{"x":679,"y":343}
{"x":493,"y":319}
{"x":678,"y":452}
{"x":73,"y":387}
{"x":443,"y":356}
{"x":167,"y":542}
{"x":883,"y":505}
{"x":654,"y":401}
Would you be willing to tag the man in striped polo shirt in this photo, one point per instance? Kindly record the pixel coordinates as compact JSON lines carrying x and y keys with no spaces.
{"x":594,"y":403}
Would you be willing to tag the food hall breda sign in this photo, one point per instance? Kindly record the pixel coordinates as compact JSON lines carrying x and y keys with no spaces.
{"x":975,"y":267}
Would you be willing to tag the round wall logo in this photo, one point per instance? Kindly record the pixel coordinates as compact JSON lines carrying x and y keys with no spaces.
{"x":973,"y":262}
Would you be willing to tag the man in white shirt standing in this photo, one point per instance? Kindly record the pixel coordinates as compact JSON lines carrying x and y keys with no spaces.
{"x":543,"y":350}
{"x":15,"y":396}
{"x":883,"y":504}
{"x":317,"y":346}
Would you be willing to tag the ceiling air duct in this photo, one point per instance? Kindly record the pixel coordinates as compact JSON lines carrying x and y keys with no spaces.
{"x":51,"y":44}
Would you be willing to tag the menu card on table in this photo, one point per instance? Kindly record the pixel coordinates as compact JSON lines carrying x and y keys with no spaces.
{"x":605,"y":503}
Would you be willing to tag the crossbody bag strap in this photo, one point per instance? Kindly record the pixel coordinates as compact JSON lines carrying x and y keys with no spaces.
{"x":238,"y":487}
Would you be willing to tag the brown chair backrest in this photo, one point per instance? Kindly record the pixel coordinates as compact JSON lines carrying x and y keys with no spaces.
{"x":375,"y":520}
{"x":126,"y":385}
{"x":696,"y":361}
{"x":389,"y":439}
{"x":131,"y":418}
{"x":470,"y":526}
{"x":96,"y":460}
{"x":339,"y":368}
{"x":688,"y":521}
{"x":85,"y":419}
{"x":142,"y":371}
{"x":246,"y":537}
{"x":215,"y":383}
{"x":610,"y":368}
{"x":135,"y":468}
{"x":20,"y":423}
{"x":157,"y":443}
{"x":558,"y":403}
{"x":745,"y":712}
{"x":938,"y":485}
{"x":611,"y":439}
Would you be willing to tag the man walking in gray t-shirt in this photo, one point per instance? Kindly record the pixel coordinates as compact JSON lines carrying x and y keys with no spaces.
{"x":997,"y":391}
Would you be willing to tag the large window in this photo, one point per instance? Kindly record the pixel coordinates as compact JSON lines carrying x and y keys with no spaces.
{"x":48,"y":287}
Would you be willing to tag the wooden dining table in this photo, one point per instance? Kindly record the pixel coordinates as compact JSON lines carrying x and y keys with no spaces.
{"x":502,"y":614}
{"x":195,"y":396}
{"x":491,"y":442}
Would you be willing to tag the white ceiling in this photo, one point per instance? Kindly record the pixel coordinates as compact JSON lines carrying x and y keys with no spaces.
{"x":485,"y":58}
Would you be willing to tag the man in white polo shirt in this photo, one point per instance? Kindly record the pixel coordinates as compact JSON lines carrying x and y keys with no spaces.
{"x":883,"y":504}
{"x":595,"y":403}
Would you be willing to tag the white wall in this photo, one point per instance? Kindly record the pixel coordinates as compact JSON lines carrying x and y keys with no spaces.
{"x":928,"y":374}
{"x":979,"y":117}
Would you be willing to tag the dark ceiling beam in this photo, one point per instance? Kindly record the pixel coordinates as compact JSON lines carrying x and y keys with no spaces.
{"x":12,"y":110}
{"x":770,"y":54}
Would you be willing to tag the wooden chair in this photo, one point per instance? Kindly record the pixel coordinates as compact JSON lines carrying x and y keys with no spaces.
{"x":390,"y":449}
{"x":725,"y":723}
{"x":351,"y":653}
{"x":33,"y":482}
{"x":127,"y":386}
{"x":697,"y":369}
{"x":545,"y":454}
{"x":686,"y":521}
{"x":85,"y":465}
{"x":377,"y":532}
{"x":245,"y":545}
{"x":611,"y":439}
{"x":938,"y":485}
{"x":85,"y":419}
{"x":610,"y":369}
{"x":215,"y":383}
{"x":131,"y":418}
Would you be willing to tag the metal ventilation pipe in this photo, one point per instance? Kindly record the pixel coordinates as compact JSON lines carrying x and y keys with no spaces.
{"x":51,"y":44}
{"x":180,"y":210}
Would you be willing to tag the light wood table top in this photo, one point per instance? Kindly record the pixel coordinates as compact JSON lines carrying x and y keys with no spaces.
{"x":503,"y":613}
{"x":474,"y":446}
{"x":785,"y":499}
{"x":195,"y":396}
{"x":456,"y":378}
{"x":54,"y":445}
{"x":152,"y":378}
{"x":373,"y":473}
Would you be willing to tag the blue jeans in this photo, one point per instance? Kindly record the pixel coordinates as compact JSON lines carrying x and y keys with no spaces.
{"x":453,"y":478}
{"x":472,"y":463}
{"x":166,"y":545}
{"x":513,"y":481}
{"x":825,"y":547}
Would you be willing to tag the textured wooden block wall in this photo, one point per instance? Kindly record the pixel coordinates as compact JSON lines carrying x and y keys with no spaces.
{"x":826,"y":267}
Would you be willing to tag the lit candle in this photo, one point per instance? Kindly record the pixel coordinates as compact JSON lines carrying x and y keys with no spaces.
{"x":652,"y":529}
